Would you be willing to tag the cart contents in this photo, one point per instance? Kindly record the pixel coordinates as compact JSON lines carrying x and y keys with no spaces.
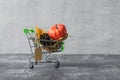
{"x":38,"y":54}
{"x":53,"y":39}
{"x":39,"y":32}
{"x":46,"y":37}
{"x":57,"y":31}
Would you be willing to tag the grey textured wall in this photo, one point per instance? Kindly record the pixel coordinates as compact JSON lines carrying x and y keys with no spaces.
{"x":94,"y":25}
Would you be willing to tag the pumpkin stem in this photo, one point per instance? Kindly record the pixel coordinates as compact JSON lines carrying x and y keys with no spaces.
{"x":56,"y":26}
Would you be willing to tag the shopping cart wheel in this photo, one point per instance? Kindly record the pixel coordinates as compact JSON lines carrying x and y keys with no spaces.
{"x":57,"y":64}
{"x":31,"y":66}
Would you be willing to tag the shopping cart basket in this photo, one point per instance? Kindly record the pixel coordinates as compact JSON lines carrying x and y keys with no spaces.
{"x":49,"y":47}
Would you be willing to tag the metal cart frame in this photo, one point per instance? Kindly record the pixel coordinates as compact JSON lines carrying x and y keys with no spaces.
{"x":30,"y":33}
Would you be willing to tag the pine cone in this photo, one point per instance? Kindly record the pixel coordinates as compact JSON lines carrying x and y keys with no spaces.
{"x":45,"y":40}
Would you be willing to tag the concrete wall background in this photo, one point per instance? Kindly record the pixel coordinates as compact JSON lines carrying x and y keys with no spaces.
{"x":94,"y":25}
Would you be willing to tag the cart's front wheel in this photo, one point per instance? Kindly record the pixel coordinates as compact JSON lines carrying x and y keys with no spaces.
{"x":57,"y":64}
{"x":31,"y":66}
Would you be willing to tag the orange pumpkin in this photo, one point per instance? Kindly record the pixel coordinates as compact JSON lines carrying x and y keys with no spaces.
{"x":57,"y":31}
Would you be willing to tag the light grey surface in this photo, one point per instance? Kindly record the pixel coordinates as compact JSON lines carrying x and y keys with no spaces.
{"x":93,"y":25}
{"x":73,"y":67}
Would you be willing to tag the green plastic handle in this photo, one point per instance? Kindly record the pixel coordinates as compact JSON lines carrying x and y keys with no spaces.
{"x":62,"y":46}
{"x":27,"y":31}
{"x":32,"y":30}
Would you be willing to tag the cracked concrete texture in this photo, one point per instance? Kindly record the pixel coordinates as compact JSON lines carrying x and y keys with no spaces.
{"x":73,"y":67}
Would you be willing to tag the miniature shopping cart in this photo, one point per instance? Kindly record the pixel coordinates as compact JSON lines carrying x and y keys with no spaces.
{"x":45,"y":47}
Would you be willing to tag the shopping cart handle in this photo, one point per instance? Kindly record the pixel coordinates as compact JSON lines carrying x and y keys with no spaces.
{"x":27,"y":31}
